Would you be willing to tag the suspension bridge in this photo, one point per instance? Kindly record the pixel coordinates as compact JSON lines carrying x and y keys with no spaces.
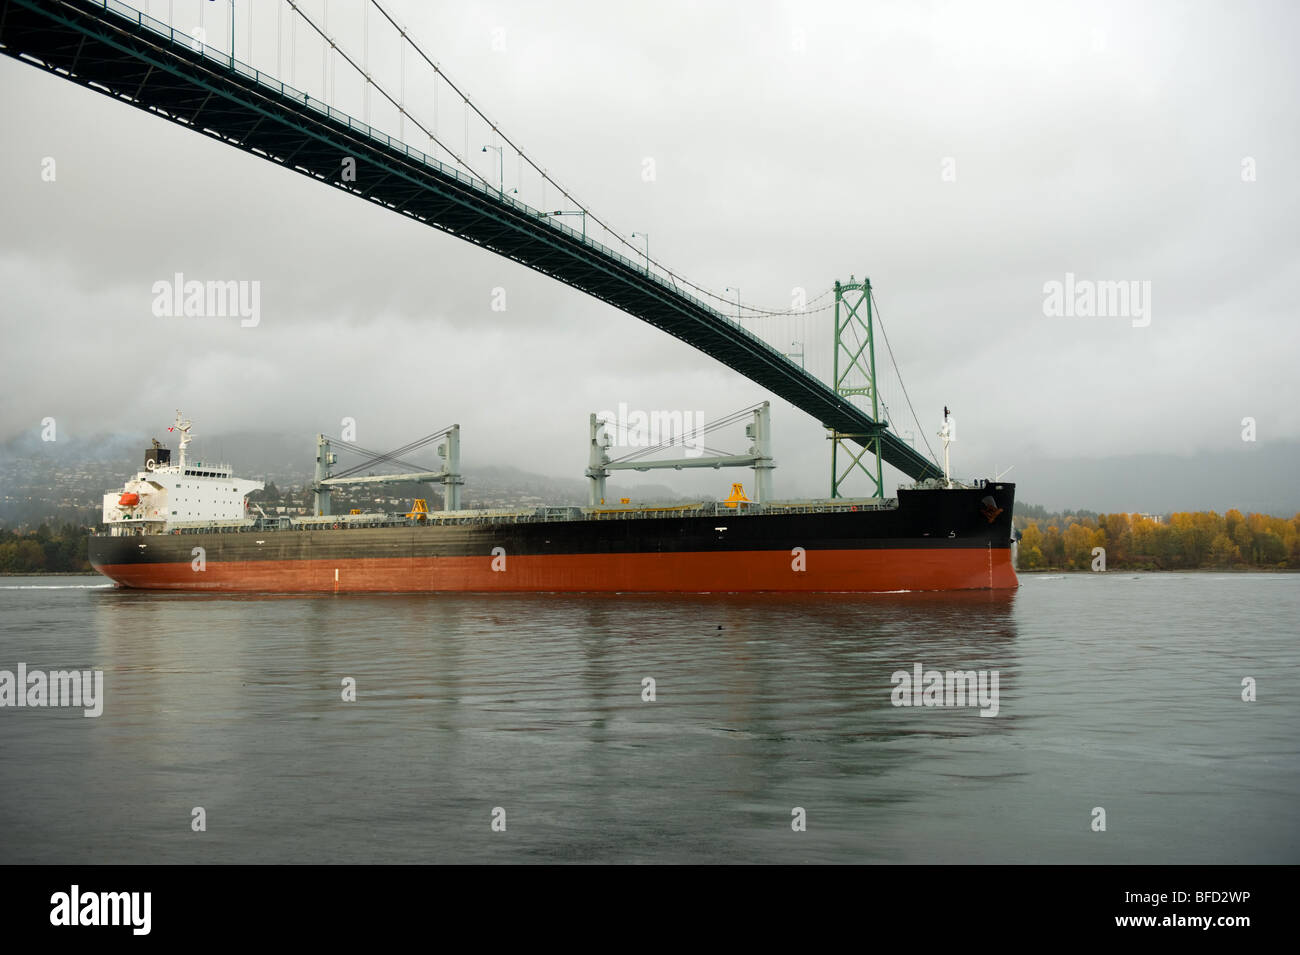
{"x":274,"y":79}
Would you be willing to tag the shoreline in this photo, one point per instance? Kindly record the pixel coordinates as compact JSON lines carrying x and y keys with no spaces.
{"x":1157,"y":570}
{"x":1021,"y":573}
{"x":51,"y":573}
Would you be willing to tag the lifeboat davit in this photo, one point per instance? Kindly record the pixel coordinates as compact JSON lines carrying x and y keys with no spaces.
{"x":129,"y":499}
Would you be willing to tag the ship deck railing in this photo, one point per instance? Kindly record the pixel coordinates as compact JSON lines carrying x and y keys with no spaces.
{"x":538,"y":515}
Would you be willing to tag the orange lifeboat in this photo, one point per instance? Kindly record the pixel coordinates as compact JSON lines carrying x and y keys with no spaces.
{"x":129,"y":499}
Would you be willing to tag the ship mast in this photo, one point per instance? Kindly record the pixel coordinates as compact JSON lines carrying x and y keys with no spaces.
{"x":946,"y":433}
{"x":183,"y":426}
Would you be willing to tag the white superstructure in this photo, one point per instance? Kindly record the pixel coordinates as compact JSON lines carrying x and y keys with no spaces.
{"x":164,"y":496}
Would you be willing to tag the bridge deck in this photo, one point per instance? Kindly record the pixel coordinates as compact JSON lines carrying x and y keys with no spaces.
{"x":114,"y":49}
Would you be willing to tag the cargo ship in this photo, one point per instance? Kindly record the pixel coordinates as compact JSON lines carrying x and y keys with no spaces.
{"x":189,"y":526}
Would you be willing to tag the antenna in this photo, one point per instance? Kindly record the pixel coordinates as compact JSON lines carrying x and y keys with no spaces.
{"x":946,"y":433}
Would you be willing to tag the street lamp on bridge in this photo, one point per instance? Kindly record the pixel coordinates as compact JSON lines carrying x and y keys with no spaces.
{"x":646,"y":236}
{"x":501,"y":168}
{"x":170,"y":22}
{"x":570,"y":212}
{"x":737,"y":291}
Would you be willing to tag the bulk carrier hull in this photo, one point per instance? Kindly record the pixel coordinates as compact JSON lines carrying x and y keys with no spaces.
{"x":932,"y":539}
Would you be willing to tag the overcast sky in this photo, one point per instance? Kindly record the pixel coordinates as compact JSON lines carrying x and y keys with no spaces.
{"x":961,"y":155}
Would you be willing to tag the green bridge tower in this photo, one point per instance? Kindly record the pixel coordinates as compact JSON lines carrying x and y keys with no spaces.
{"x":857,"y":452}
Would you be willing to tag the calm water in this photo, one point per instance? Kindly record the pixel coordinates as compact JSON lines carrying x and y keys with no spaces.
{"x":1118,"y":691}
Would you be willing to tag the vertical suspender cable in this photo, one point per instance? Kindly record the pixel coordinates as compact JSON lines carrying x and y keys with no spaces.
{"x":365,"y":61}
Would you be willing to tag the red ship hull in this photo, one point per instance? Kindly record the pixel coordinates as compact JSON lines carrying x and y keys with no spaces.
{"x":857,"y":571}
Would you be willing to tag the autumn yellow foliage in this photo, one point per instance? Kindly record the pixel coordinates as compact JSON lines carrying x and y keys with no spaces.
{"x":1181,"y":541}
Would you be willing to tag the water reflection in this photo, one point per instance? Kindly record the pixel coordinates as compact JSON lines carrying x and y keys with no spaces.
{"x":761,"y":701}
{"x":1114,"y":691}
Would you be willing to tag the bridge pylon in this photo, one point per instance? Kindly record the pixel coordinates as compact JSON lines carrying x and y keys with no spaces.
{"x":858,"y":452}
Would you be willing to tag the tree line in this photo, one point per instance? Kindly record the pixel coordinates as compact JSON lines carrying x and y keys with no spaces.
{"x":45,"y":551}
{"x":1181,"y":541}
